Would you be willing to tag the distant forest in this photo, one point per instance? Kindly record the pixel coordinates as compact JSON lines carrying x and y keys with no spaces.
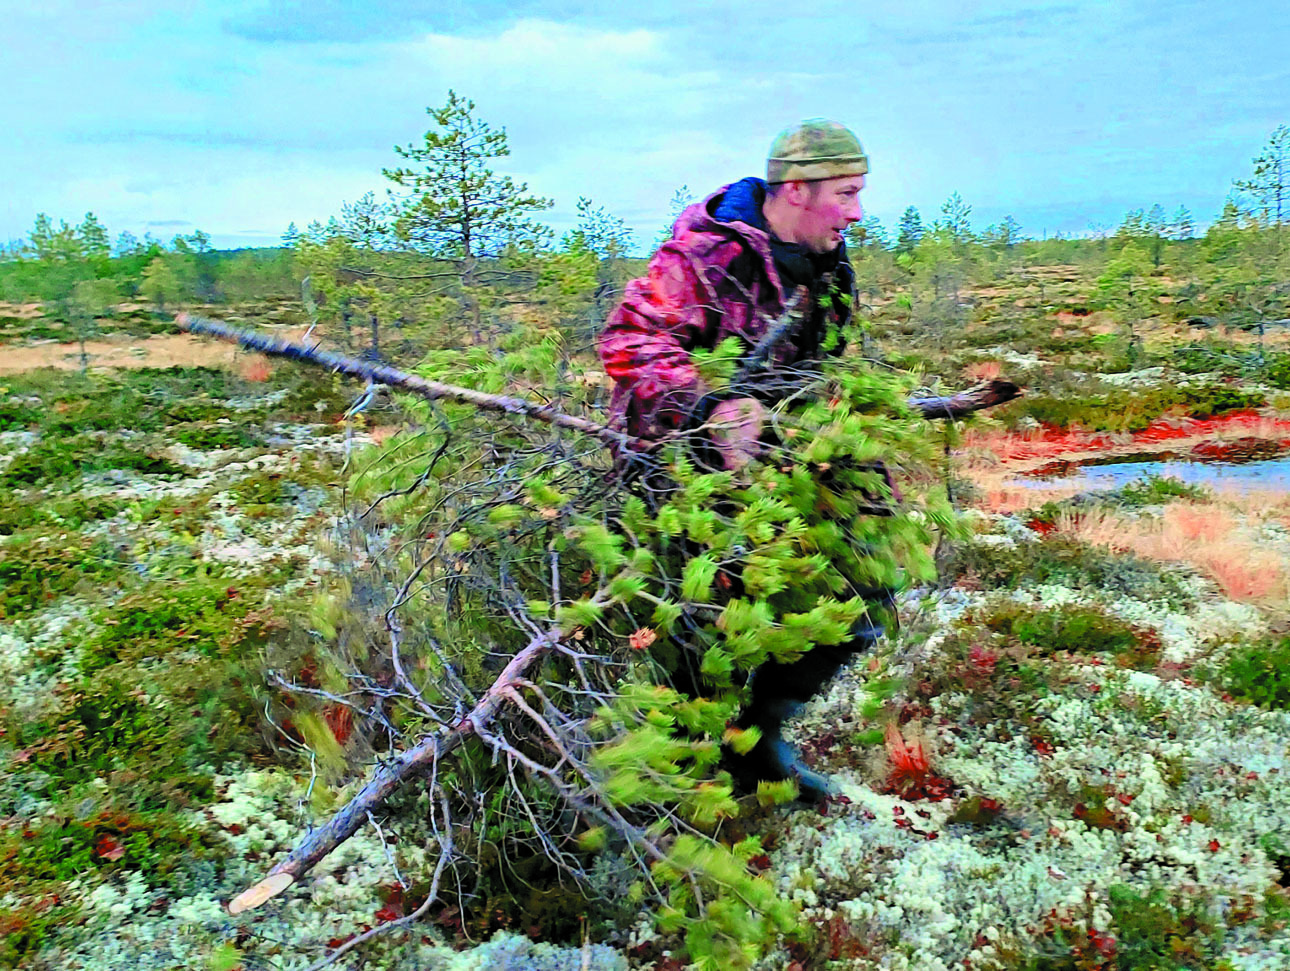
{"x":396,"y":260}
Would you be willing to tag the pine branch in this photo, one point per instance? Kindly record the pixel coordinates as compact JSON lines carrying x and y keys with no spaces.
{"x":982,"y":396}
{"x":393,"y":377}
{"x":978,"y":398}
{"x":388,"y":777}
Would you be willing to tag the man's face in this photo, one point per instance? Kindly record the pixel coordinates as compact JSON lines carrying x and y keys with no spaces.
{"x":825,"y":209}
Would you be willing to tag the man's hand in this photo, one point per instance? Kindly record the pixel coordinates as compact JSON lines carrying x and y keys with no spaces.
{"x":735,"y":429}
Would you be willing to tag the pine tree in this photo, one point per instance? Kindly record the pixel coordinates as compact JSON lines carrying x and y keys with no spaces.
{"x":599,"y":231}
{"x":455,"y":206}
{"x":61,"y":243}
{"x":93,"y":237}
{"x":869,"y":233}
{"x":681,"y":198}
{"x":956,"y":218}
{"x":458,"y":210}
{"x":89,"y":300}
{"x":1269,"y":186}
{"x":1006,"y":234}
{"x":1133,"y":228}
{"x":127,"y":244}
{"x":1182,"y":226}
{"x":523,"y":548}
{"x":1157,"y":228}
{"x":1010,"y":232}
{"x":161,"y":284}
{"x":910,"y":231}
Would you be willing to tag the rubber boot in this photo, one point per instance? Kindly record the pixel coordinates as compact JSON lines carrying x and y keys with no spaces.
{"x":773,"y":758}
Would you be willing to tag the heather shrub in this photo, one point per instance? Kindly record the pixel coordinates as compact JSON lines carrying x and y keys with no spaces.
{"x":1260,"y":673}
{"x":1074,"y":629}
{"x":1062,"y":560}
{"x":42,"y":564}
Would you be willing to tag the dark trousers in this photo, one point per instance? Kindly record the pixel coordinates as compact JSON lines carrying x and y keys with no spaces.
{"x":778,"y":690}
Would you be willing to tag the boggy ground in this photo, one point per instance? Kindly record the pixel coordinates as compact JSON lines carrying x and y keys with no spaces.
{"x":1085,"y":764}
{"x":1073,"y":754}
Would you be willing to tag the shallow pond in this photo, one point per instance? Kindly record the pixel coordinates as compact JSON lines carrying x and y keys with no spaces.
{"x":1271,"y":474}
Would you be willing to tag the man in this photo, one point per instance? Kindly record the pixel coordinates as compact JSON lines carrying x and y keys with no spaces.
{"x":733,"y":265}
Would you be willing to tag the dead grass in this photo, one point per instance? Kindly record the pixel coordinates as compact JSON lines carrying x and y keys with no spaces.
{"x":383,"y":433}
{"x":1216,"y":540}
{"x":21,"y":311}
{"x":167,"y":350}
{"x":257,"y":367}
{"x":983,"y":371}
{"x":160,"y":351}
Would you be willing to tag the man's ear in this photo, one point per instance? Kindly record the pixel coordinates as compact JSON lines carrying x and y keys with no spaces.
{"x":795,"y":192}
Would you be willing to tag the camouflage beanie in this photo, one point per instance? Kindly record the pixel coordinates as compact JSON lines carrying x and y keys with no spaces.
{"x":815,"y":149}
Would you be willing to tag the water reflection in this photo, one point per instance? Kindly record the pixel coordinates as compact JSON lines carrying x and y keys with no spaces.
{"x":1272,"y":474}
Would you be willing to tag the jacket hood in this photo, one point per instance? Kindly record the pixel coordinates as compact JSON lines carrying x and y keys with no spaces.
{"x":742,"y":202}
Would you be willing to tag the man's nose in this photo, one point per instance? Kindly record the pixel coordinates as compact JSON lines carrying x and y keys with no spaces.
{"x":854,"y":213}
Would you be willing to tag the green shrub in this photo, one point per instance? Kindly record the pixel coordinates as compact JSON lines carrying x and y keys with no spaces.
{"x":56,"y":460}
{"x":1062,"y":560}
{"x":19,"y":513}
{"x":1148,"y":932}
{"x":37,"y":567}
{"x":1261,"y":674}
{"x":1154,"y":934}
{"x":205,"y":436}
{"x":1131,"y":410}
{"x":1277,"y":371}
{"x":1216,"y":399}
{"x":1228,"y":360}
{"x":1075,"y":629}
{"x":1155,"y":490}
{"x":262,"y":488}
{"x":163,"y":690}
{"x":17,"y":417}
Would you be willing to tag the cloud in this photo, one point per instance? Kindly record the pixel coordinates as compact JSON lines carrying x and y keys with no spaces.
{"x":330,"y":21}
{"x":301,"y":139}
{"x":245,"y":113}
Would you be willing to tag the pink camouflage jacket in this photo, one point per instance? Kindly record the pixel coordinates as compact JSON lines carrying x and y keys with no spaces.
{"x":715,"y":278}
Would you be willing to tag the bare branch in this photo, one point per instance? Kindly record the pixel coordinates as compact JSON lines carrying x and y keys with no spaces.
{"x":983,"y":396}
{"x":383,"y":374}
{"x":390,"y":776}
{"x":445,"y":855}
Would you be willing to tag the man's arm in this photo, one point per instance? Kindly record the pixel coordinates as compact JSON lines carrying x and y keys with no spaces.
{"x":646,"y":343}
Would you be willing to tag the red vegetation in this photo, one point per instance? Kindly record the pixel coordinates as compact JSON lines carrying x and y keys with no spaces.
{"x":911,"y":777}
{"x":642,"y":638}
{"x":257,"y":368}
{"x":340,"y":719}
{"x":1247,"y":449}
{"x":393,"y":908}
{"x":1052,"y":442}
{"x":109,"y":847}
{"x":982,"y":659}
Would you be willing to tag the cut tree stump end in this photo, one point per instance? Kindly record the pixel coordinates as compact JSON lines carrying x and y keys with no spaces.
{"x":252,"y":897}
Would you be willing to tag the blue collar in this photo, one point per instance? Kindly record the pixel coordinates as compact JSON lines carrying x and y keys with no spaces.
{"x":742,"y":202}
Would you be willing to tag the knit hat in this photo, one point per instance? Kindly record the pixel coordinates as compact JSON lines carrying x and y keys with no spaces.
{"x":815,"y":149}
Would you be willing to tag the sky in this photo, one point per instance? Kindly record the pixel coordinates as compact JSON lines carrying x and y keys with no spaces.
{"x":242,"y":116}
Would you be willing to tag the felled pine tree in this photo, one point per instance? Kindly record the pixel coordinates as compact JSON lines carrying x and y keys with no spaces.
{"x":561,"y":650}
